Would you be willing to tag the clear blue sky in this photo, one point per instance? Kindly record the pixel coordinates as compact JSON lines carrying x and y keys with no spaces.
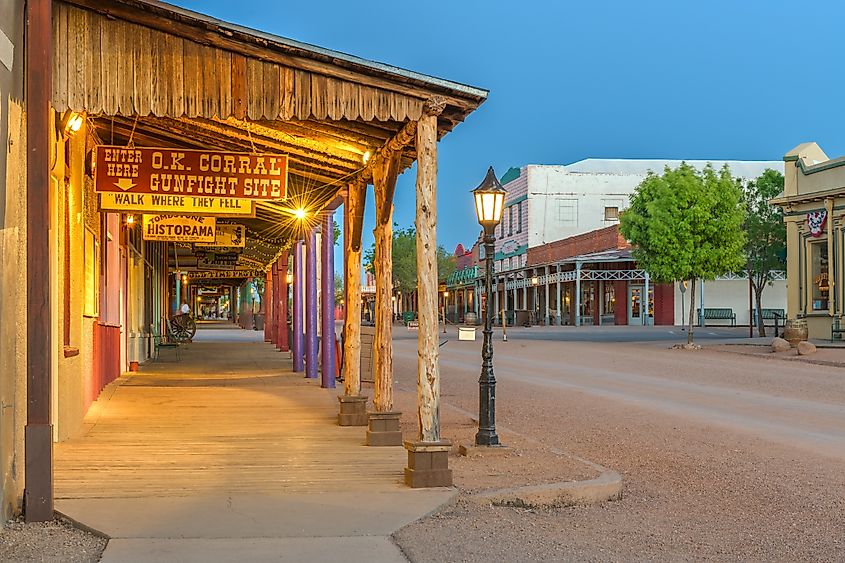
{"x":721,"y":79}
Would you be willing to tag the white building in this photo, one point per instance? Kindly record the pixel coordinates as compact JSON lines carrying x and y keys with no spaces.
{"x":550,"y":203}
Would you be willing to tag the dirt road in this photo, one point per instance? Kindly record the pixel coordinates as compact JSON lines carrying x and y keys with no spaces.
{"x":724,"y":456}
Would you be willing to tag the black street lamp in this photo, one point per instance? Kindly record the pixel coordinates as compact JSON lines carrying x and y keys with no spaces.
{"x":489,"y":204}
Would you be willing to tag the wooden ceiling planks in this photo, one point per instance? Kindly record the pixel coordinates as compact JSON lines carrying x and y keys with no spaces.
{"x":112,"y":66}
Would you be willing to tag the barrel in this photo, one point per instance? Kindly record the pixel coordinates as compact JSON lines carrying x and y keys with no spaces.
{"x":470,"y":319}
{"x":795,"y":331}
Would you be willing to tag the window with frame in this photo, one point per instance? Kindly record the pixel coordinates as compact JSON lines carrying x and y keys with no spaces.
{"x":519,"y":217}
{"x":611,"y":213}
{"x":820,"y":282}
{"x":510,"y":220}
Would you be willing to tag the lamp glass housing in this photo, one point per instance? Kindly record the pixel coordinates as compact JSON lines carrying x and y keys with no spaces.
{"x":489,"y":200}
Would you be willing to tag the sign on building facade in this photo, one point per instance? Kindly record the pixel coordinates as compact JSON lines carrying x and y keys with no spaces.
{"x":182,"y":172}
{"x":179,"y":228}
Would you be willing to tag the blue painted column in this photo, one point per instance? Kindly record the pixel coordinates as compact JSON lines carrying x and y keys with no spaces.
{"x":311,"y":304}
{"x":296,"y":350}
{"x":327,"y":306}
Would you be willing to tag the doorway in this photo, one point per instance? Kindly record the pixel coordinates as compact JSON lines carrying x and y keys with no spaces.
{"x":636,"y":306}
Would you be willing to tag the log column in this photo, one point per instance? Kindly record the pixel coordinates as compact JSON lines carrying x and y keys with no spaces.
{"x":281,"y":282}
{"x":329,"y":368}
{"x":428,"y":455}
{"x":297,"y":353}
{"x":383,"y":422}
{"x":269,"y":309}
{"x":353,"y":406}
{"x":311,"y":304}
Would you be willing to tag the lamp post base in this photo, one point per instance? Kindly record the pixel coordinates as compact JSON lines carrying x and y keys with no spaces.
{"x":486,"y":438}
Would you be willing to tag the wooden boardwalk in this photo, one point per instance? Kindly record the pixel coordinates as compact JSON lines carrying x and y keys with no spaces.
{"x":231,"y":417}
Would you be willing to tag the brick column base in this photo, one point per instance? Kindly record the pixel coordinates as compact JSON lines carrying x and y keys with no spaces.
{"x":383,"y":429}
{"x":428,"y":464}
{"x":353,"y":410}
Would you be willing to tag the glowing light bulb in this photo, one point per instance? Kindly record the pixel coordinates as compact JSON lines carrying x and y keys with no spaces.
{"x":299,"y":213}
{"x":366,"y":157}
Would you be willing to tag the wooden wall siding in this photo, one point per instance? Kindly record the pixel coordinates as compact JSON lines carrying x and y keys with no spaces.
{"x":113,"y":67}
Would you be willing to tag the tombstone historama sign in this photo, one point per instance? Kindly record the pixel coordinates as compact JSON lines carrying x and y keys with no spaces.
{"x":174,"y":180}
{"x":179,"y":228}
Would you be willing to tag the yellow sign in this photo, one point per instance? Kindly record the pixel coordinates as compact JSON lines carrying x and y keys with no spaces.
{"x":217,"y":274}
{"x":182,"y":204}
{"x":228,"y":236}
{"x":180,"y":228}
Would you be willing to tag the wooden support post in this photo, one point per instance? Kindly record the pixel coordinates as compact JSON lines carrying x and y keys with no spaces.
{"x":428,"y":456}
{"x":352,"y":284}
{"x":38,"y":433}
{"x":384,"y":422}
{"x":384,"y":178}
{"x":428,"y":370}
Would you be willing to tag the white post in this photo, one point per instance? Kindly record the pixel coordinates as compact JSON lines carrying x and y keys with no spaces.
{"x":645,"y":301}
{"x":559,"y":303}
{"x":577,"y":311}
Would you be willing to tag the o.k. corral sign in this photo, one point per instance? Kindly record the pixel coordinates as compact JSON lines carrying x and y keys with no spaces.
{"x":179,"y":228}
{"x":174,"y":180}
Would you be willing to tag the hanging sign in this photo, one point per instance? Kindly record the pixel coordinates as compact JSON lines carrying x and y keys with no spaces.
{"x":816,"y":221}
{"x":219,"y":274}
{"x":180,"y":228}
{"x":142,"y":170}
{"x":192,"y":205}
{"x":218,"y":262}
{"x":228,"y":236}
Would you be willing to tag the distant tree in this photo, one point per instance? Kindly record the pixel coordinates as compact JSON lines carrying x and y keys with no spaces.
{"x":687,"y":225}
{"x":338,"y":287}
{"x":405,"y":260}
{"x":765,"y":248}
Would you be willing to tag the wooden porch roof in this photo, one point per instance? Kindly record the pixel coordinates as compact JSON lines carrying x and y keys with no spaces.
{"x":153,"y":74}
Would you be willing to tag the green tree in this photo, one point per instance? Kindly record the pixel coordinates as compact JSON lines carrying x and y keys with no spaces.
{"x":687,"y":225}
{"x":338,"y":287}
{"x":405,"y":260}
{"x":765,"y":249}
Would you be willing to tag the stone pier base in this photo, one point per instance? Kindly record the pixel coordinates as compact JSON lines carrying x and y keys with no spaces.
{"x":383,"y":429}
{"x":353,"y":410}
{"x":428,"y":464}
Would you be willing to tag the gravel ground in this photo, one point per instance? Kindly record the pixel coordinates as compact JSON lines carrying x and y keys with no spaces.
{"x":694,"y":488}
{"x":57,"y":541}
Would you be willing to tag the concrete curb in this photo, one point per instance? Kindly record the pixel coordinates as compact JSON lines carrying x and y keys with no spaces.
{"x":82,"y":526}
{"x":605,"y":487}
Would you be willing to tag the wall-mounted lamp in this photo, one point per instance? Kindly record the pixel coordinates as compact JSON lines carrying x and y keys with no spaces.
{"x":366,"y":157}
{"x":535,"y":280}
{"x":300,"y":213}
{"x":184,"y":279}
{"x":91,"y":163}
{"x":290,"y":279}
{"x":71,"y":123}
{"x":130,"y":220}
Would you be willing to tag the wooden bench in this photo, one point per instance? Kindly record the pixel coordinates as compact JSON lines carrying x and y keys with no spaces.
{"x":835,"y":329}
{"x":776,"y":315}
{"x":717,"y":314}
{"x":163,"y":342}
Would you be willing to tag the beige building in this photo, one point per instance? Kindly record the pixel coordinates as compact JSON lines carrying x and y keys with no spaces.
{"x":813,"y":201}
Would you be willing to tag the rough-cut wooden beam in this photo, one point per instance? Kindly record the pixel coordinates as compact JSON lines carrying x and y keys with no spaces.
{"x":352,"y":285}
{"x":235,"y":41}
{"x":428,"y":369}
{"x":395,"y":145}
{"x":382,"y":341}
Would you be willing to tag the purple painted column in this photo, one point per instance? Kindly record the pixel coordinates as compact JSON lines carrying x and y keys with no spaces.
{"x":311,"y":304}
{"x":327,"y":256}
{"x":296,"y":351}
